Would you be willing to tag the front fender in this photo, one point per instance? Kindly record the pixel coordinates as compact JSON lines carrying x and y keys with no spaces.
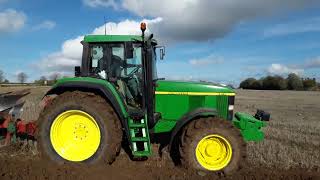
{"x":197,"y":113}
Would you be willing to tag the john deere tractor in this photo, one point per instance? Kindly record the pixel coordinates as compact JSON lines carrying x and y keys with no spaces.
{"x":117,"y":97}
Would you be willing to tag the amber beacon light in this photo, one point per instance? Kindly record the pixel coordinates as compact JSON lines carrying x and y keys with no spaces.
{"x":143,"y":26}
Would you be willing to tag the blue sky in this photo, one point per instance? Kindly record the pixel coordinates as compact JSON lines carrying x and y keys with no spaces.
{"x":209,"y":40}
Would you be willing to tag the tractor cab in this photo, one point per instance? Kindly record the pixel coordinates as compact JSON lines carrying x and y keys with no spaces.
{"x":129,"y":63}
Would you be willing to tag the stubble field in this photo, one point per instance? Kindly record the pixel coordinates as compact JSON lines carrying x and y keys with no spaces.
{"x":291,"y":149}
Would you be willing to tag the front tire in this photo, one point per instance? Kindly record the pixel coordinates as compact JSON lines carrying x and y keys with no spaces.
{"x":212,"y":145}
{"x":79,"y":127}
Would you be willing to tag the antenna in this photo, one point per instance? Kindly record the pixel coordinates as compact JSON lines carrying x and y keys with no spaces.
{"x":105,"y":25}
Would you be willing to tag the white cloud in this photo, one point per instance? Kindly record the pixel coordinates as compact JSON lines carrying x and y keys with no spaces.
{"x":200,"y":20}
{"x":209,"y":60}
{"x":11,"y":20}
{"x":302,"y":26}
{"x":313,"y":63}
{"x":203,"y":20}
{"x":280,"y":69}
{"x":100,"y":3}
{"x":125,"y":27}
{"x":47,"y":24}
{"x":63,"y":61}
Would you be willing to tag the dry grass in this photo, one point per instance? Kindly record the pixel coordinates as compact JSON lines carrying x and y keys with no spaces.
{"x":292,"y":136}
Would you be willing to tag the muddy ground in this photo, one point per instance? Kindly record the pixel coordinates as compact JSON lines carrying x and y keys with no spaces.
{"x":291,"y":149}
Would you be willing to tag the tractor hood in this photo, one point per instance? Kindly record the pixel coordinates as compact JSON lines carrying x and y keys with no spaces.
{"x":191,"y":87}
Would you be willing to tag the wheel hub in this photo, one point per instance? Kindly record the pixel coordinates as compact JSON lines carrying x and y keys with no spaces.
{"x":75,"y":135}
{"x":80,"y":132}
{"x":212,"y":149}
{"x":214,"y":152}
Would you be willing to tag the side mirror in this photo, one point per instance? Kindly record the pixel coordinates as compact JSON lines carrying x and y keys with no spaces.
{"x":162,"y":53}
{"x":77,"y":71}
{"x":129,"y":50}
{"x":150,"y":37}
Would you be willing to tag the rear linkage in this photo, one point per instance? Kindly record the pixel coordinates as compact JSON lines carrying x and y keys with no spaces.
{"x":12,"y":128}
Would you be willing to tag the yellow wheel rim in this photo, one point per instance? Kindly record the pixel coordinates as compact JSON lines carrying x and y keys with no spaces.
{"x":75,"y":135}
{"x":214,"y":152}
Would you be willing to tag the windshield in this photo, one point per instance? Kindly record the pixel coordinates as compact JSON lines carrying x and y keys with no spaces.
{"x":134,"y":65}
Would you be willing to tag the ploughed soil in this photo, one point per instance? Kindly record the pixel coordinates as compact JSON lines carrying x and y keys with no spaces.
{"x":15,"y":164}
{"x":25,"y":166}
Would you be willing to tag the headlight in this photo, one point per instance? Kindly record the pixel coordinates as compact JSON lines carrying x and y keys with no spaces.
{"x":230,"y":107}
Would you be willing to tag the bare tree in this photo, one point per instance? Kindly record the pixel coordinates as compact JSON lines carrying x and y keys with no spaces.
{"x":54,"y":77}
{"x":22,"y":77}
{"x":1,"y":76}
{"x":41,"y":81}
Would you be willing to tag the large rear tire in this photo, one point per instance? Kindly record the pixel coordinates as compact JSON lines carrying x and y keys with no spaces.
{"x":79,"y":127}
{"x":212,"y":145}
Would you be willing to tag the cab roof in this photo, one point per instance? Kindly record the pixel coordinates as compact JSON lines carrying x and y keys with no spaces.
{"x":110,"y":38}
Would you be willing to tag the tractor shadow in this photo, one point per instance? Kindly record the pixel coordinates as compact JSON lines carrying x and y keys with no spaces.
{"x":160,"y":145}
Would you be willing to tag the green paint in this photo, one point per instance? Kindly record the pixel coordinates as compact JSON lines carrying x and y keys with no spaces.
{"x":110,"y":38}
{"x":11,"y":127}
{"x":104,"y":83}
{"x":183,"y":86}
{"x":222,"y":106}
{"x":249,"y":126}
{"x":174,"y":107}
{"x":164,"y":126}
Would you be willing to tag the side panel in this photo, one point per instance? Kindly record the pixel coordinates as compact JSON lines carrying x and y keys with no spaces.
{"x":174,"y":99}
{"x":174,"y":107}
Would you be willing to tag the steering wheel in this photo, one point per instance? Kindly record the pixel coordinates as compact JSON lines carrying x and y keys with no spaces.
{"x":132,"y":75}
{"x":133,"y":72}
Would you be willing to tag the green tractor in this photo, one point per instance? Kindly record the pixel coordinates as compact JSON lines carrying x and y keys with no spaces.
{"x":117,"y":97}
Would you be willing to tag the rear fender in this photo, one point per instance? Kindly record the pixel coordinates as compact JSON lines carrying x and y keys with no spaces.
{"x":104,"y":89}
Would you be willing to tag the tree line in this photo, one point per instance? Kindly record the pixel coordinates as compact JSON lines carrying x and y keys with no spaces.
{"x":292,"y":82}
{"x":22,"y":77}
{"x":52,"y":79}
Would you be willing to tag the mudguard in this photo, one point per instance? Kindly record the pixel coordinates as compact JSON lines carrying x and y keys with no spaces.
{"x":200,"y":112}
{"x":98,"y":86}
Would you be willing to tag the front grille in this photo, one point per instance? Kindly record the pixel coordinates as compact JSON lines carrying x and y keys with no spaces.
{"x":222,"y":106}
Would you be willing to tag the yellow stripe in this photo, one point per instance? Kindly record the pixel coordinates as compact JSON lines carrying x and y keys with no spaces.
{"x":195,"y":93}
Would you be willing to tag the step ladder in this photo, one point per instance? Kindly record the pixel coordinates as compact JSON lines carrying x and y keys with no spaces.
{"x":139,"y":136}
